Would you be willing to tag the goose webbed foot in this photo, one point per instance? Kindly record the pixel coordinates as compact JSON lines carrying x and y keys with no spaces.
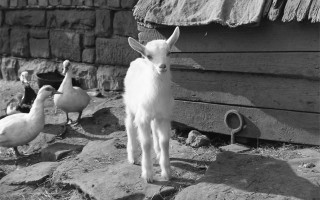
{"x":18,"y":154}
{"x":69,"y":121}
{"x":78,"y":119}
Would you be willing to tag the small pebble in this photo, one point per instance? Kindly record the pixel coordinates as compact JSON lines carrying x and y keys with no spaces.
{"x":308,"y":165}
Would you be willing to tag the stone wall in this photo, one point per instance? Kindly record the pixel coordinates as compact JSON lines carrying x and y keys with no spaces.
{"x":37,"y":35}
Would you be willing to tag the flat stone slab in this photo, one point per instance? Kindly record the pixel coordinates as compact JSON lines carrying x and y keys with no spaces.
{"x":44,"y":139}
{"x":244,"y":176}
{"x":32,"y":175}
{"x":236,"y":148}
{"x":58,"y":151}
{"x":101,"y":171}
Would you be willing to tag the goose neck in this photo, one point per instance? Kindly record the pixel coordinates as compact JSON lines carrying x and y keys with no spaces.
{"x":37,"y":109}
{"x":67,"y":81}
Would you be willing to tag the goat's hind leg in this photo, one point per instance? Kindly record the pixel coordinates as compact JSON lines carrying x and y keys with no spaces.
{"x":163,"y":127}
{"x":132,"y":144}
{"x":144,"y":131}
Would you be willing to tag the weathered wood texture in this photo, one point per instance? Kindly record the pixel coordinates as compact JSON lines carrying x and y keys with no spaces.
{"x":314,"y":13}
{"x":270,"y":73}
{"x":268,"y":37}
{"x":296,"y":9}
{"x":270,"y":124}
{"x":287,"y":64}
{"x":247,"y":90}
{"x":275,"y":9}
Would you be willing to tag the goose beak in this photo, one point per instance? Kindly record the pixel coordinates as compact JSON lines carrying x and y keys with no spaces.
{"x":57,"y":92}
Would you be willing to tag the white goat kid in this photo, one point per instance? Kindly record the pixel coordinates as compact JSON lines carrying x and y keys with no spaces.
{"x":149,"y":104}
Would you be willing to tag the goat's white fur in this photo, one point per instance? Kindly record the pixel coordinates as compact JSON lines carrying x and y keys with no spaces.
{"x":149,"y":104}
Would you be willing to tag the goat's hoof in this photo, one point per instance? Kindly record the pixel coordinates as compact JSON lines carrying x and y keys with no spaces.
{"x":132,"y":161}
{"x":147,"y":176}
{"x":166,"y":176}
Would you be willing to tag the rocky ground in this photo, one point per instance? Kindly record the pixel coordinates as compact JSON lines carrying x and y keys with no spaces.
{"x":90,"y":163}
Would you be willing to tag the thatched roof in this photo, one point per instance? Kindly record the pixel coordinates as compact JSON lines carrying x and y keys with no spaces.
{"x":232,"y":13}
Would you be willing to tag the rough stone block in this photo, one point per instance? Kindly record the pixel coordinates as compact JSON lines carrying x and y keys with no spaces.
{"x":39,"y":33}
{"x":103,"y":23}
{"x":66,"y":2}
{"x":39,"y":48}
{"x":77,"y":2}
{"x":115,"y":51}
{"x":19,"y":42}
{"x":35,"y":66}
{"x":13,"y":3}
{"x":88,"y":3}
{"x":88,"y":55}
{"x":31,"y":175}
{"x":100,"y":3}
{"x":1,"y":17}
{"x":25,"y":17}
{"x":54,"y":2}
{"x":128,"y":4}
{"x":114,"y":3}
{"x":196,"y":139}
{"x":4,"y":41}
{"x":71,"y":19}
{"x":65,"y":45}
{"x":4,"y":3}
{"x":86,"y":75}
{"x":89,"y":40}
{"x":22,"y":3}
{"x":124,"y":24}
{"x":32,"y":2}
{"x":43,"y":3}
{"x":111,"y":78}
{"x":9,"y":69}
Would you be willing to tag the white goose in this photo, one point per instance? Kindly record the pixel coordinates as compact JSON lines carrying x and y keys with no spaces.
{"x":21,"y":128}
{"x":73,"y":99}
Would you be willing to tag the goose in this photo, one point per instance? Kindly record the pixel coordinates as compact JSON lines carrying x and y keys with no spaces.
{"x":73,"y":99}
{"x":21,"y":128}
{"x":22,"y":103}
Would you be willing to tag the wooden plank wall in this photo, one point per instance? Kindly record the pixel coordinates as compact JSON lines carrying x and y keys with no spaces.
{"x":269,"y":73}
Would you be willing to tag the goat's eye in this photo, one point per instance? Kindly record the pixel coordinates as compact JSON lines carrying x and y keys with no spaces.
{"x":168,"y":54}
{"x":149,"y":57}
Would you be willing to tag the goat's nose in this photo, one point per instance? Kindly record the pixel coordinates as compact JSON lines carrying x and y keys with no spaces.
{"x":162,"y":66}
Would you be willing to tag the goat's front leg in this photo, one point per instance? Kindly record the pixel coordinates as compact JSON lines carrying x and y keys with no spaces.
{"x":132,"y":144}
{"x":144,"y":131}
{"x":163,"y":126}
{"x":155,"y":137}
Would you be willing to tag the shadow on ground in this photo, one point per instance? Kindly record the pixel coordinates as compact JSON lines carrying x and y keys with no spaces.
{"x":258,"y":175}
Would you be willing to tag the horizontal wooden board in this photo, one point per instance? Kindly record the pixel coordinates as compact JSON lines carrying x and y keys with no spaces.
{"x":269,"y":36}
{"x":269,"y":124}
{"x":247,"y":90}
{"x":297,"y":64}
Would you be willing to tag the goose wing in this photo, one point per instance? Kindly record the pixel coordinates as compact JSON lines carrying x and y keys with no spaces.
{"x":12,"y":128}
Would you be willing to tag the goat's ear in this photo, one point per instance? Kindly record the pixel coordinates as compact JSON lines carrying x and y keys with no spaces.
{"x":174,"y":37}
{"x":135,"y":45}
